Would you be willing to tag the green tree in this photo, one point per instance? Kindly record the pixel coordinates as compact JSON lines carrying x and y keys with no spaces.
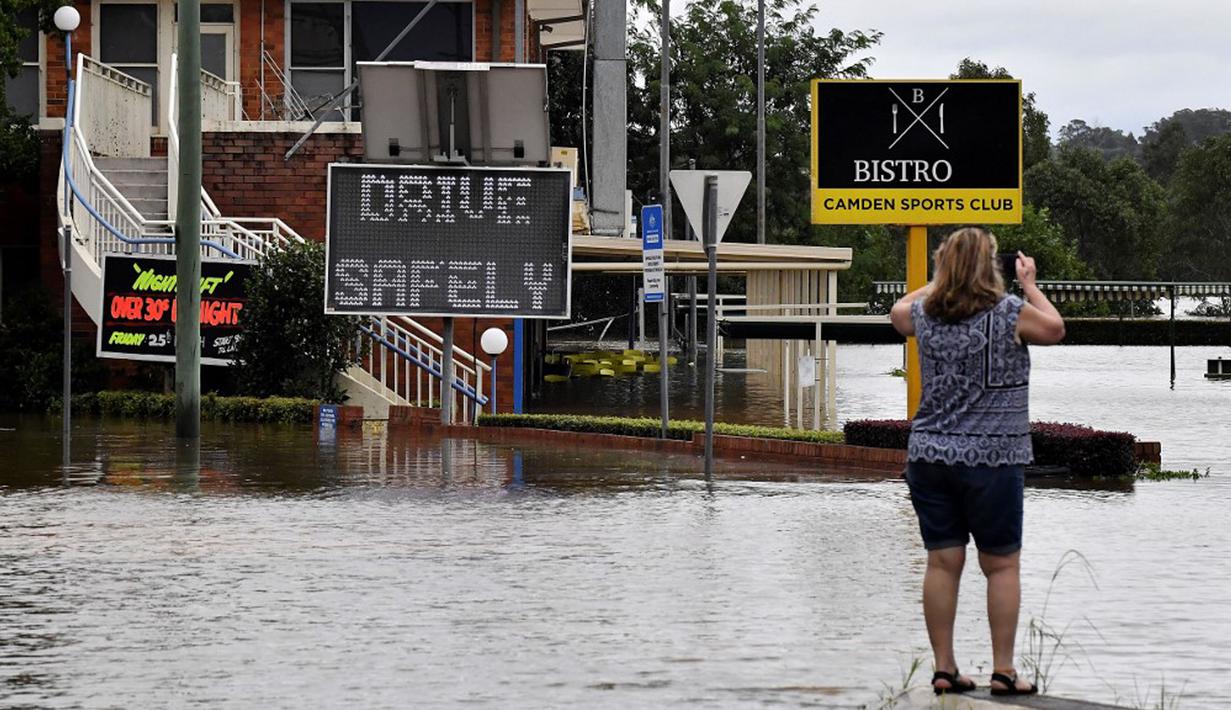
{"x":1161,"y":150}
{"x":1109,"y":142}
{"x":1036,"y":144}
{"x":713,"y":100}
{"x":1200,"y":213}
{"x":18,"y":141}
{"x":290,"y":347}
{"x":1113,"y":211}
{"x":1199,"y":124}
{"x":1040,"y":237}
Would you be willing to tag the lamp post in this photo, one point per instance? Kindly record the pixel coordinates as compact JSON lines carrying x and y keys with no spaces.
{"x":494,"y":341}
{"x":66,"y":20}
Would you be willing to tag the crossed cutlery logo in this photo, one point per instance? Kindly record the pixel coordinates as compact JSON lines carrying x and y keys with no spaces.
{"x":918,"y":99}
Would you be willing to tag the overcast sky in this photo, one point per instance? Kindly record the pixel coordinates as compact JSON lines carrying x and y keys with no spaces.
{"x":1117,"y":63}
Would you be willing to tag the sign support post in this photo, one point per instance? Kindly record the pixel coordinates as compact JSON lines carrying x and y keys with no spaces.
{"x":710,"y":239}
{"x":446,"y":373}
{"x":188,"y":227}
{"x":916,"y":277}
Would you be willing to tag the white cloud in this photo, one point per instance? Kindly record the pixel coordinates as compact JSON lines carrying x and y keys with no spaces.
{"x":1118,"y":63}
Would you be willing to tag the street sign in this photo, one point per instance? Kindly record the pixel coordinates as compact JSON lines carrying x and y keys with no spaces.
{"x":448,"y":241}
{"x":139,"y":308}
{"x":653,"y":277}
{"x":690,"y":187}
{"x":916,"y":152}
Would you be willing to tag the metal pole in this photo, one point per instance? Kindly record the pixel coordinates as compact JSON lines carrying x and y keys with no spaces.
{"x":664,"y":119}
{"x":494,"y":385}
{"x":690,"y":235}
{"x":446,"y":374}
{"x":519,"y":31}
{"x":760,"y":121}
{"x":188,"y":227}
{"x":710,"y":237}
{"x":1172,"y":329}
{"x":663,"y":353}
{"x":67,"y":395}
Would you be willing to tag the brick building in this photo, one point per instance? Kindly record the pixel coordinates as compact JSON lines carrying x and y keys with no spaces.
{"x":278,"y":62}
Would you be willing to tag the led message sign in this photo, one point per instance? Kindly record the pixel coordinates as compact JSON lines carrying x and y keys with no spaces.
{"x":415,"y":240}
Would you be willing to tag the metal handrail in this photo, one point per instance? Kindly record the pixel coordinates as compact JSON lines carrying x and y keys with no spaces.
{"x":68,"y":177}
{"x":250,"y":236}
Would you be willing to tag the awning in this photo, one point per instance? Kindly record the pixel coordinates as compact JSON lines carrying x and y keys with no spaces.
{"x":1063,"y":291}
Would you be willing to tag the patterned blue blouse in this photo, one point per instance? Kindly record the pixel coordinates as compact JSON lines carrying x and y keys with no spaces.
{"x":976,"y":400}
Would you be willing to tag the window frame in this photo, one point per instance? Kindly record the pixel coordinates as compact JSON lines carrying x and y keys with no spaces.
{"x":347,"y":32}
{"x":39,"y":65}
{"x":163,"y":24}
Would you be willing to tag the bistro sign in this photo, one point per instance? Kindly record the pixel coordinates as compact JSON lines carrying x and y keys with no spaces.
{"x":916,"y":152}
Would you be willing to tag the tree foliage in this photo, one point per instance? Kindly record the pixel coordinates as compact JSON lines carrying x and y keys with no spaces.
{"x":1112,"y":210}
{"x":1108,"y":142}
{"x":1200,"y":213}
{"x":1038,"y":235}
{"x":1036,"y":144}
{"x":290,"y":347}
{"x":713,"y":100}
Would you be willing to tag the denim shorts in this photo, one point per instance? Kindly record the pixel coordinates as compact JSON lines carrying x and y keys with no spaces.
{"x":955,"y":502}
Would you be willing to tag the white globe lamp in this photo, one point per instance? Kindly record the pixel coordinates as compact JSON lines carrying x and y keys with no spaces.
{"x":67,"y":18}
{"x":494,"y":341}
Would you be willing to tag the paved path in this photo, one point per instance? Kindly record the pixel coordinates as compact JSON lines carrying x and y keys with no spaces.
{"x":981,"y":699}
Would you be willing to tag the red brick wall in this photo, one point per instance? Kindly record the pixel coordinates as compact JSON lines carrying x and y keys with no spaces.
{"x":246,"y":176}
{"x":57,"y":84}
{"x":483,"y":33}
{"x":251,"y":34}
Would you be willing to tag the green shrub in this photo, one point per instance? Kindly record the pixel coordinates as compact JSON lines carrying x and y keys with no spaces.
{"x":1084,"y":451}
{"x":32,"y":355}
{"x":682,"y":429}
{"x":152,"y":405}
{"x":290,"y":347}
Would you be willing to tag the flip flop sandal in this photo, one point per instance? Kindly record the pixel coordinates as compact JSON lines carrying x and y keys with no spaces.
{"x":955,"y":686}
{"x":1011,"y":683}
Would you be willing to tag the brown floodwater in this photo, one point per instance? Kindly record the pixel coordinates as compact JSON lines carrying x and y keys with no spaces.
{"x":270,"y":568}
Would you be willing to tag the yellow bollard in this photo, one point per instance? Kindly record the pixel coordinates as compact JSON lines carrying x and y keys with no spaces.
{"x":916,"y":277}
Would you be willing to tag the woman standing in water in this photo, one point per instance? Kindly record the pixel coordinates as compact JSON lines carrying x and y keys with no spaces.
{"x":970,"y":438}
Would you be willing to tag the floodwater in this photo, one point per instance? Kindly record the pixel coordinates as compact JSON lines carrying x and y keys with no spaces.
{"x":273,"y":569}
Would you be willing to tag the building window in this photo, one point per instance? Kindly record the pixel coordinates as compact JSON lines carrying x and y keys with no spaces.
{"x":22,"y":90}
{"x":326,"y":39}
{"x":128,"y":41}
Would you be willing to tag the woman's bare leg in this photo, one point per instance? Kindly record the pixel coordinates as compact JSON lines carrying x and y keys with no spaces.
{"x":1004,"y":598}
{"x":940,"y":588}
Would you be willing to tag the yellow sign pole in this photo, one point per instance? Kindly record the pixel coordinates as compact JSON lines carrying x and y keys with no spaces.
{"x":916,"y":277}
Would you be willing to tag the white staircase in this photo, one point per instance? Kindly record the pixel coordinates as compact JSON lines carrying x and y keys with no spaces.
{"x":125,"y":204}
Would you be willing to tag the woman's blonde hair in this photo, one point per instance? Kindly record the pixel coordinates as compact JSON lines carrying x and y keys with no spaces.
{"x":967,"y":277}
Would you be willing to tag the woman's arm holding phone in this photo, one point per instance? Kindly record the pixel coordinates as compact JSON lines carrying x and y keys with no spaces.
{"x":1039,"y":323}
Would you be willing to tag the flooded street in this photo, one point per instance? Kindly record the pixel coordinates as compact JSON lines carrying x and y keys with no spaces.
{"x":270,"y":569}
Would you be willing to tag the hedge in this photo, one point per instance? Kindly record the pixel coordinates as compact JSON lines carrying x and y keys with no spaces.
{"x":1085,"y":451}
{"x":154,"y":405}
{"x":682,"y":429}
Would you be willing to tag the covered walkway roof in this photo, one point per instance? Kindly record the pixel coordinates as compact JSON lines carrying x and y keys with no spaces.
{"x":619,"y":255}
{"x":1104,"y":290}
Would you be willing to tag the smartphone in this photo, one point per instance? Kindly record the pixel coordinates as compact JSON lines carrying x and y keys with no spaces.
{"x":1008,"y":264}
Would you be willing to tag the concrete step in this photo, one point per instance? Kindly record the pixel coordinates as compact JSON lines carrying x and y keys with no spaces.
{"x":107,"y":164}
{"x":142,"y":192}
{"x":150,"y":208}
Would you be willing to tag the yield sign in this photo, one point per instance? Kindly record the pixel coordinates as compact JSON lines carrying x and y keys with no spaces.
{"x":690,"y":186}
